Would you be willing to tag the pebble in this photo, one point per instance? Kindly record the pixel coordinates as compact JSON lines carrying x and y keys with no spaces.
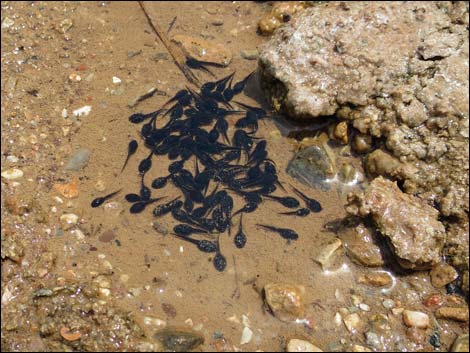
{"x":359,"y":348}
{"x":456,"y":314}
{"x":178,"y":340}
{"x":153,"y":321}
{"x":85,"y":110}
{"x":69,"y":219}
{"x":326,"y":254}
{"x":116,"y":80}
{"x":7,"y":23}
{"x":132,"y":53}
{"x":415,"y":319}
{"x":64,"y":113}
{"x":360,"y":247}
{"x":352,"y":322}
{"x":218,"y":22}
{"x":247,"y":335}
{"x":74,"y":77}
{"x":285,"y":300}
{"x":442,"y":274}
{"x":79,"y":160}
{"x":388,"y":303}
{"x":68,"y":190}
{"x":340,"y":132}
{"x":12,"y":174}
{"x":296,"y":345}
{"x":12,"y":159}
{"x":65,"y":25}
{"x":461,"y":344}
{"x":376,"y":279}
{"x":160,"y":228}
{"x":364,"y":307}
{"x":204,"y":50}
{"x":250,"y":54}
{"x":373,"y":339}
{"x":113,"y":208}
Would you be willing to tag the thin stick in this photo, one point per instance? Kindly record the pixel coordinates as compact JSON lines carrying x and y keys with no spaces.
{"x":176,"y":53}
{"x":171,"y":24}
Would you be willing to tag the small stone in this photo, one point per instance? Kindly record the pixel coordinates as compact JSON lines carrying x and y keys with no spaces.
{"x":376,"y":279}
{"x":434,"y":300}
{"x":362,"y":143}
{"x":74,"y":77}
{"x":360,"y":247}
{"x":364,"y":307}
{"x":204,"y":50}
{"x":12,"y":159}
{"x":7,"y":23}
{"x":65,"y":25}
{"x":79,"y":160}
{"x":442,"y":274}
{"x":132,"y":53}
{"x":12,"y":174}
{"x":247,"y":335}
{"x":285,"y":300}
{"x":415,"y":319}
{"x":218,"y":22}
{"x":249,"y":54}
{"x":160,"y":228}
{"x":169,"y":310}
{"x":160,"y":56}
{"x":461,"y":344}
{"x":64,"y":113}
{"x":179,"y":340}
{"x":340,"y":132}
{"x":85,"y":110}
{"x":113,"y":208}
{"x":107,"y":236}
{"x":116,"y":80}
{"x":373,"y":339}
{"x":388,"y":303}
{"x":68,"y":220}
{"x":69,"y":190}
{"x":352,"y":322}
{"x":326,"y":254}
{"x":296,"y":345}
{"x":456,"y":314}
{"x":153,"y":321}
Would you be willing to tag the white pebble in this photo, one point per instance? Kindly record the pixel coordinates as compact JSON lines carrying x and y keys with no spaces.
{"x":296,"y":345}
{"x":12,"y":159}
{"x":388,"y":303}
{"x":247,"y":335}
{"x":153,"y":321}
{"x":415,"y":319}
{"x":69,"y":218}
{"x":65,"y":114}
{"x":85,"y":110}
{"x":364,"y":307}
{"x":12,"y":174}
{"x":352,"y":322}
{"x":116,"y":80}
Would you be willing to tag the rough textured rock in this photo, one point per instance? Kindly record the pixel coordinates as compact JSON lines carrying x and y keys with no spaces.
{"x":397,"y":71}
{"x":285,"y":300}
{"x":411,"y":226}
{"x":204,"y":50}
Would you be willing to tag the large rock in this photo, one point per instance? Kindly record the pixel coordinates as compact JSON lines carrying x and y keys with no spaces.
{"x":394,"y":70}
{"x":411,"y":225}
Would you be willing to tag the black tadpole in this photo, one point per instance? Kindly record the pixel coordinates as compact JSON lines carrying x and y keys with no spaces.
{"x":130,"y":151}
{"x":288,"y":234}
{"x":100,"y":200}
{"x":312,"y":204}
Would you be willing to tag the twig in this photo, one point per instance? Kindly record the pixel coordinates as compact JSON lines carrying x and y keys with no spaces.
{"x":176,"y":53}
{"x":171,"y":24}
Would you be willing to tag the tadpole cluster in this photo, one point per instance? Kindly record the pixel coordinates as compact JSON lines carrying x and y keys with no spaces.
{"x":209,"y":166}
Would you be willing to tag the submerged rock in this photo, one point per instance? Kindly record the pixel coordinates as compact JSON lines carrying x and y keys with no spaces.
{"x":360,"y":246}
{"x":178,"y":340}
{"x":79,"y":160}
{"x":410,"y":225}
{"x":313,"y":167}
{"x":204,"y":50}
{"x":285,"y":300}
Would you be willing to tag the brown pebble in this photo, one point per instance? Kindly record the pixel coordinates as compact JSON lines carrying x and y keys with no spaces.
{"x":442,"y":274}
{"x":69,"y":190}
{"x":107,"y":236}
{"x":456,"y":314}
{"x":434,"y":300}
{"x":169,"y":310}
{"x":65,"y":333}
{"x":376,"y":279}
